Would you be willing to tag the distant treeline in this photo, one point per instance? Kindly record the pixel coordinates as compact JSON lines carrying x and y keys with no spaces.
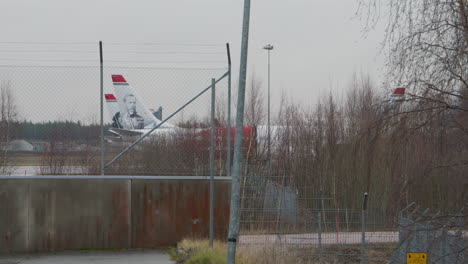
{"x":56,"y":130}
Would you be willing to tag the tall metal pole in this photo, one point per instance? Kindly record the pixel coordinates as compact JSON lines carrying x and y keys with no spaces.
{"x":102,"y":108}
{"x":319,"y":221}
{"x":236,"y":168}
{"x":212,"y":158}
{"x":269,"y":130}
{"x":229,"y":127}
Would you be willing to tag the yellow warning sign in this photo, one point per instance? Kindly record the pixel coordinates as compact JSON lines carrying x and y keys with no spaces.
{"x":416,"y":258}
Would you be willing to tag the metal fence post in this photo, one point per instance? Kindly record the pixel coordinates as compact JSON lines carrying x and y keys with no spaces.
{"x":363,"y":229}
{"x":319,"y":218}
{"x":229,"y":126}
{"x":101,"y":101}
{"x":212,"y":158}
{"x":445,"y":246}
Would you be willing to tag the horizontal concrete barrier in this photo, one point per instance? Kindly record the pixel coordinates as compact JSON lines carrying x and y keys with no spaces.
{"x":59,"y":213}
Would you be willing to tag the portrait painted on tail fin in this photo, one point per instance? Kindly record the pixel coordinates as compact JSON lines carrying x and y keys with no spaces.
{"x":130,"y":114}
{"x":129,"y":118}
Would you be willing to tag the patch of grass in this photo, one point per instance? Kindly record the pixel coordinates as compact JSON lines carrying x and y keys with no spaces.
{"x":197,"y":251}
{"x":207,"y":256}
{"x":172,"y":253}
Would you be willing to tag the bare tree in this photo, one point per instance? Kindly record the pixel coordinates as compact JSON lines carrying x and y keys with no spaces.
{"x":56,"y":159}
{"x":428,"y":43}
{"x":255,"y":111}
{"x":221,"y":108}
{"x":8,"y":115}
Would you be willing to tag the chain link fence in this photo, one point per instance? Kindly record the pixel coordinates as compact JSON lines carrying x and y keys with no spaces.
{"x":181,"y":145}
{"x":297,"y":224}
{"x":291,"y":224}
{"x":50,"y":120}
{"x":443,"y":236}
{"x":291,"y":206}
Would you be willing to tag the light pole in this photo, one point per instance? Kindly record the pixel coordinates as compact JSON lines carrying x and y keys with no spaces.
{"x":269,"y":48}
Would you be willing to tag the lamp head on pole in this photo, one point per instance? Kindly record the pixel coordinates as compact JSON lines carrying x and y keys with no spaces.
{"x":268,"y":47}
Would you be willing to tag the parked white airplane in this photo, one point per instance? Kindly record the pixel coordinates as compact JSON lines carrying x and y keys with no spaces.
{"x":129,"y":115}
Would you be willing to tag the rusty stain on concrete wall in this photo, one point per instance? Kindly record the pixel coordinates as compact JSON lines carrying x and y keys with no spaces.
{"x":49,"y":215}
{"x":166,"y":211}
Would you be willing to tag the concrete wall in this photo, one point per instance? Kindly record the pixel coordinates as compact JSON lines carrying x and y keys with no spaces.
{"x":58,"y":214}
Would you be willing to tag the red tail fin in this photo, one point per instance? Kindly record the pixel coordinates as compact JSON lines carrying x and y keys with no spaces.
{"x":399,"y":92}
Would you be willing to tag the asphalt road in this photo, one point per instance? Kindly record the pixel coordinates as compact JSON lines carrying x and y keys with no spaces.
{"x":92,"y":257}
{"x":308,"y":239}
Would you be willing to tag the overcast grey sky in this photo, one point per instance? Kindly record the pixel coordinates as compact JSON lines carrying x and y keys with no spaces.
{"x":318,"y":44}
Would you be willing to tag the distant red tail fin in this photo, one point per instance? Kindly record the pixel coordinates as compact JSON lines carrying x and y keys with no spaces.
{"x":399,"y":92}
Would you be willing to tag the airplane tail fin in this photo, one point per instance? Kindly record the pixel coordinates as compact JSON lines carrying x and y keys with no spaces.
{"x":113,"y":107}
{"x":396,"y":99}
{"x":129,"y":112}
{"x":398,"y":94}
